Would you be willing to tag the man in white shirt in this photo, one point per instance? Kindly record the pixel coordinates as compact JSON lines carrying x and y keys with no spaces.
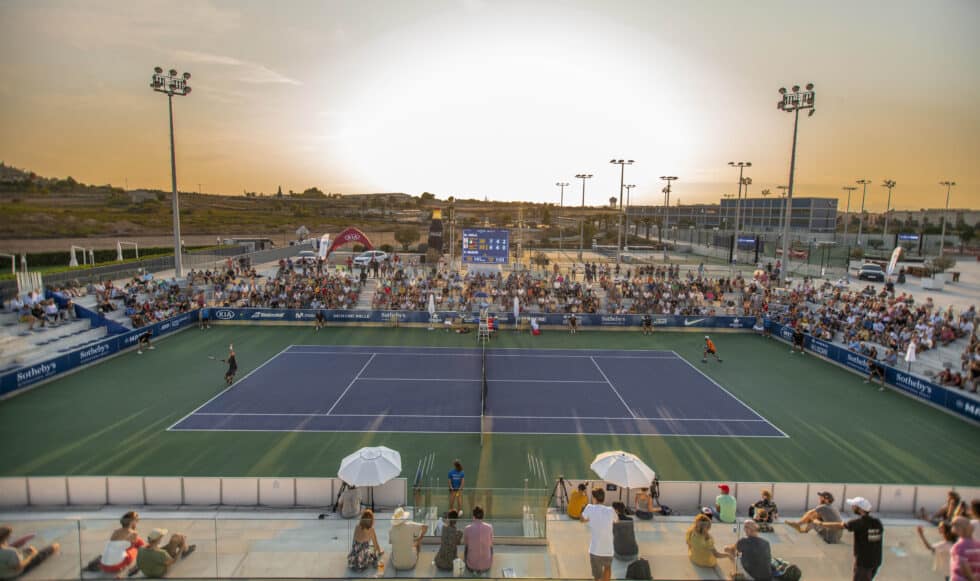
{"x":600,"y":519}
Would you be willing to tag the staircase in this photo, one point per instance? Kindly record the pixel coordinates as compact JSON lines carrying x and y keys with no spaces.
{"x":366,"y":298}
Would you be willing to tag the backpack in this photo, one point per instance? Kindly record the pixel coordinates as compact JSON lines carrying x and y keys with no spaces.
{"x":785,"y":571}
{"x":639,"y":569}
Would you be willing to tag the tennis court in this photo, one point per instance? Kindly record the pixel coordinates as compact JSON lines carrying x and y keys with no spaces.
{"x":322,"y":388}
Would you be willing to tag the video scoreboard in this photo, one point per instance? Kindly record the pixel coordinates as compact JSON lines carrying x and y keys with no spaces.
{"x":486,"y":246}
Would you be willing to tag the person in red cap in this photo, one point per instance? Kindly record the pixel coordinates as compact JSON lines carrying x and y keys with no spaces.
{"x":726,"y":507}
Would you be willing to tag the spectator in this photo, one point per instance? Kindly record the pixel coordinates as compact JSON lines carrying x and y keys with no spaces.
{"x":365,"y":550}
{"x":15,"y":561}
{"x":600,"y":519}
{"x":725,"y":505}
{"x":823,"y":512}
{"x":764,"y":511}
{"x":405,"y":537}
{"x":478,"y":537}
{"x":975,"y":517}
{"x":700,"y":546}
{"x":754,"y":552}
{"x":451,"y":537}
{"x":577,"y":502}
{"x":154,"y":560}
{"x":456,"y":480}
{"x":624,"y":536}
{"x":121,"y":549}
{"x":953,"y":508}
{"x":964,"y":560}
{"x":643,"y":504}
{"x":350,"y":502}
{"x":868,"y":538}
{"x":940,"y":549}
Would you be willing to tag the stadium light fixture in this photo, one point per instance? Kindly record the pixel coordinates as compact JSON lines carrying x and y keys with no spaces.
{"x":666,"y":191}
{"x":888,"y":207}
{"x":628,"y":187}
{"x":622,"y":163}
{"x":847,"y":210}
{"x":561,"y":206}
{"x":581,"y":224}
{"x":864,"y":194}
{"x":942,"y":234}
{"x":793,"y":103}
{"x":172,"y":85}
{"x":741,"y":165}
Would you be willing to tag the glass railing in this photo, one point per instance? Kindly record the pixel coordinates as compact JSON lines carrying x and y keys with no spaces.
{"x":274,"y":547}
{"x":529,"y":505}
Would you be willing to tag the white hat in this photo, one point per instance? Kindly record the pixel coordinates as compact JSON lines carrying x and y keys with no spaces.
{"x":707,"y":337}
{"x":860,"y":502}
{"x":400,"y":516}
{"x":156,"y":534}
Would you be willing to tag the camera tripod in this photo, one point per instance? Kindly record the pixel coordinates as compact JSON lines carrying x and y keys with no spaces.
{"x":561,"y":493}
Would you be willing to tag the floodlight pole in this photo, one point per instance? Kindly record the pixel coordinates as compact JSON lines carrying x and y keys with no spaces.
{"x":628,"y":187}
{"x":622,"y":163}
{"x":741,"y":165}
{"x":581,"y":224}
{"x":666,"y":219}
{"x":561,"y":206}
{"x":173,"y":84}
{"x":847,"y":211}
{"x":942,"y":235}
{"x":864,"y":192}
{"x":793,"y":102}
{"x":888,"y":207}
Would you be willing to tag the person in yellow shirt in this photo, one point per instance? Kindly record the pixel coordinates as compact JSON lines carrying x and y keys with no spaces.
{"x":701,"y":546}
{"x":577,"y":502}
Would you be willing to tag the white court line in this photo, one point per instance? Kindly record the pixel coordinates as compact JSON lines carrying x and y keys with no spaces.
{"x":393,"y":349}
{"x":477,"y":432}
{"x":471,"y":380}
{"x":351,"y":384}
{"x":223,"y":391}
{"x":489,"y":355}
{"x":383,"y":415}
{"x":613,"y":387}
{"x":732,"y":395}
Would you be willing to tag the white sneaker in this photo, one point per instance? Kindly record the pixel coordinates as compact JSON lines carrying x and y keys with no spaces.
{"x":139,"y":352}
{"x":152,"y":347}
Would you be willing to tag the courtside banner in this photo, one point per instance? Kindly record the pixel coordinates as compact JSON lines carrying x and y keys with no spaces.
{"x":915,"y":386}
{"x":91,"y":353}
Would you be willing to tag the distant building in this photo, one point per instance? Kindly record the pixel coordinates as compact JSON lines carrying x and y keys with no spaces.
{"x":934,"y":217}
{"x":757,"y":215}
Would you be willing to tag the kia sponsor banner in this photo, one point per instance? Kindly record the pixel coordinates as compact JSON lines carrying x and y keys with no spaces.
{"x":915,"y":386}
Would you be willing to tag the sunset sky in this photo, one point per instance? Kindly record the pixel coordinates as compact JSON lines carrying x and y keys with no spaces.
{"x":500,"y":99}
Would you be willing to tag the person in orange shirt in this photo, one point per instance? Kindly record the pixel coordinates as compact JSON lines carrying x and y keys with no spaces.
{"x":709,"y":349}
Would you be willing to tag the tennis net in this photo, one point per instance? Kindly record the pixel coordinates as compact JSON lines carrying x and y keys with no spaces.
{"x":483,"y":398}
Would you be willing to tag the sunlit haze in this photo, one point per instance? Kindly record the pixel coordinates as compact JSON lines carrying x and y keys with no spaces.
{"x":497,"y":99}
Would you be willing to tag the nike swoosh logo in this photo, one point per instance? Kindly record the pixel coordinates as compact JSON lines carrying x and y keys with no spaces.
{"x":694,"y":322}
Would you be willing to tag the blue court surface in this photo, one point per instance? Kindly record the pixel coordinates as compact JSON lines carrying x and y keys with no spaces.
{"x":323,"y":388}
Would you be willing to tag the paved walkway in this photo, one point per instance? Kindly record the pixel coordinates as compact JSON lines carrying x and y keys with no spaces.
{"x":260,"y":544}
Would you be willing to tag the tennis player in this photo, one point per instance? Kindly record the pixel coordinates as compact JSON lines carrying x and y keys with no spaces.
{"x":709,"y":349}
{"x":572,"y":324}
{"x":319,"y":320}
{"x":798,"y":339}
{"x":647,"y":324}
{"x":232,"y":366}
{"x":144,"y":341}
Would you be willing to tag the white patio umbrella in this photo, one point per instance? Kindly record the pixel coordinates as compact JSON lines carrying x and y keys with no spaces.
{"x":370,"y":466}
{"x":623,"y":469}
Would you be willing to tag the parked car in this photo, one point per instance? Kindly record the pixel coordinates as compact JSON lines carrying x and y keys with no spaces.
{"x":306,"y":256}
{"x":871,"y":272}
{"x":364,"y":258}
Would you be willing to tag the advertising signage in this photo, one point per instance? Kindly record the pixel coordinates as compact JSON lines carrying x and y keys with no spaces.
{"x":486,"y":246}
